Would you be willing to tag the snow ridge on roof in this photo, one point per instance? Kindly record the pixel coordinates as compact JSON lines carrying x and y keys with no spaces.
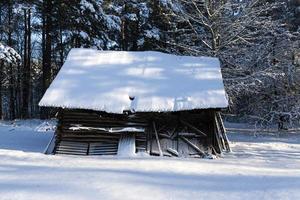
{"x":114,"y":81}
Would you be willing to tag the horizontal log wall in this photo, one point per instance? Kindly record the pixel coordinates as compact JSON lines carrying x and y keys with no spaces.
{"x":83,"y":132}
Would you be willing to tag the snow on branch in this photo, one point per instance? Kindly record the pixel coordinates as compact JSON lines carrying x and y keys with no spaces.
{"x":8,"y":54}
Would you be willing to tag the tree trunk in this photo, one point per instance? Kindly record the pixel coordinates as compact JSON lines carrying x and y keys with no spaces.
{"x":11,"y":74}
{"x":24,"y":89}
{"x":29,"y":98}
{"x":47,"y":42}
{"x":11,"y":93}
{"x":61,"y":49}
{"x":26,"y":72}
{"x":1,"y":82}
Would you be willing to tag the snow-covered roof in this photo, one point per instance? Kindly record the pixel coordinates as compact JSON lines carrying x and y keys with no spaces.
{"x":159,"y":82}
{"x":8,"y":54}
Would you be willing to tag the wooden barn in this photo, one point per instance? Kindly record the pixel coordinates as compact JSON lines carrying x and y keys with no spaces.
{"x":129,"y":103}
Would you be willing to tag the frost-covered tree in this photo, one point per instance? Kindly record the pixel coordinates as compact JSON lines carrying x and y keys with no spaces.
{"x":8,"y":58}
{"x":8,"y":55}
{"x":255,"y":45}
{"x":11,"y":35}
{"x":257,"y":42}
{"x":145,"y":25}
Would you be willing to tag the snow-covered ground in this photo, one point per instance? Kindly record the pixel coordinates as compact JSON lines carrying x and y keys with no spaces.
{"x":262,"y":167}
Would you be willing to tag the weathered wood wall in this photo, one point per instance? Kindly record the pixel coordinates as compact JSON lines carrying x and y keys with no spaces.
{"x":195,"y":133}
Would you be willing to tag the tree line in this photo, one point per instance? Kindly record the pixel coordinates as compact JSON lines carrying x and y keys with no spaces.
{"x":257,"y":43}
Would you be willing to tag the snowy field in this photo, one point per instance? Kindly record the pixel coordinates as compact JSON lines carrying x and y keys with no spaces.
{"x":262,"y":167}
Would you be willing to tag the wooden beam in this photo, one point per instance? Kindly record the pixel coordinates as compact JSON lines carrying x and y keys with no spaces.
{"x":51,"y":145}
{"x":216,"y":139}
{"x":223,"y":130}
{"x":193,"y":127}
{"x":214,"y":151}
{"x":163,"y":135}
{"x":220,"y":133}
{"x":192,"y":145}
{"x":173,"y":152}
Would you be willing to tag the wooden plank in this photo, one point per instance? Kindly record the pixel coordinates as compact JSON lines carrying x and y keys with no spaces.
{"x":217,"y":142}
{"x":108,"y":148}
{"x":60,"y":146}
{"x":163,"y":135}
{"x":73,"y":142}
{"x":72,"y":150}
{"x":219,"y":133}
{"x":104,"y":146}
{"x":79,"y":137}
{"x":103,"y":154}
{"x":72,"y":146}
{"x":213,"y":151}
{"x":141,"y":142}
{"x":127,"y":144}
{"x":71,"y":153}
{"x":173,"y":152}
{"x":157,"y":139}
{"x":103,"y":151}
{"x":100,"y":123}
{"x":51,"y":146}
{"x":141,"y":148}
{"x":192,"y":145}
{"x":173,"y":133}
{"x":223,"y":130}
{"x":193,"y":127}
{"x":185,"y":134}
{"x":90,"y":133}
{"x":90,"y":140}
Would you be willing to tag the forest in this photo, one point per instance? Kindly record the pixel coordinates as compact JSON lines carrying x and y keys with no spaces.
{"x":257,"y":42}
